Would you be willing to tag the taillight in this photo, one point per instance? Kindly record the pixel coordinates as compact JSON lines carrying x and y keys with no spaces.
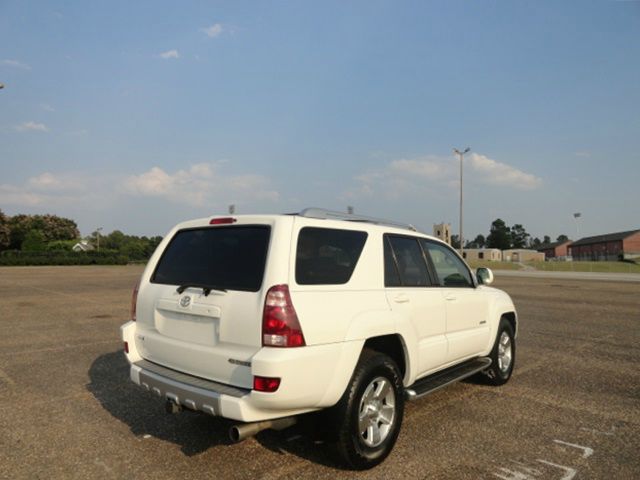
{"x":126,"y":347}
{"x":280,"y":325}
{"x":266,"y":384}
{"x":222,"y":221}
{"x":134,"y":300}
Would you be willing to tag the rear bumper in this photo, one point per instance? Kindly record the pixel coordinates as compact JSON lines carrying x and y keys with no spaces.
{"x":311,"y":378}
{"x":201,"y":395}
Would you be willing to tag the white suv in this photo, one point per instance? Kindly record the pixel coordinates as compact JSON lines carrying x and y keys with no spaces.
{"x":261,"y":318}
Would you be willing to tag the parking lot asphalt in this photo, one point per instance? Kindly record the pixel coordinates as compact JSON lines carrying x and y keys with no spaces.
{"x":68,"y":409}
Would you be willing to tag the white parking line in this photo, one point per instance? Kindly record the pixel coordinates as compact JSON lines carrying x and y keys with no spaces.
{"x":587,"y":452}
{"x":570,"y":472}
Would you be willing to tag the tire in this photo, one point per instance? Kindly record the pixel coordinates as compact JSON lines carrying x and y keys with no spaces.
{"x":503,"y":355}
{"x":374,"y":399}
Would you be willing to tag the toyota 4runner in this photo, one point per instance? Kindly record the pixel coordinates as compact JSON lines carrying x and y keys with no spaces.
{"x":262,"y":318}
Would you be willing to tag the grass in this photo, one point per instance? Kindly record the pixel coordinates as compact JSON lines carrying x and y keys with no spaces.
{"x":493,"y":265}
{"x":607,"y":267}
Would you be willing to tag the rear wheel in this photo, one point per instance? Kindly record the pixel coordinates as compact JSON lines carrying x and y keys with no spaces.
{"x":503,"y":355}
{"x":369,"y":414}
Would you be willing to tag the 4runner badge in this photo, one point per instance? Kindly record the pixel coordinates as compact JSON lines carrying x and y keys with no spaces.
{"x":185,"y":301}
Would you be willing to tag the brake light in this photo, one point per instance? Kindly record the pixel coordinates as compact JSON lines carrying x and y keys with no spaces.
{"x":280,"y":325}
{"x":134,"y":300}
{"x":266,"y":384}
{"x":126,"y":347}
{"x":222,"y":221}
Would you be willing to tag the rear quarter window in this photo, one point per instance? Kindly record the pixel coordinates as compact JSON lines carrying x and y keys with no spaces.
{"x":327,"y":256}
{"x":232,"y":258}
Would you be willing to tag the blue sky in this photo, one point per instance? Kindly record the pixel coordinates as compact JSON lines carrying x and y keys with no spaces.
{"x":137,"y":115}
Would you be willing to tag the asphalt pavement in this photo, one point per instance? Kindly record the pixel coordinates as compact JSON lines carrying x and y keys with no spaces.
{"x":68,"y":410}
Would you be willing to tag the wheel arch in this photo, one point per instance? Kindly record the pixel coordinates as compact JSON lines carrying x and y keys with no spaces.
{"x":512,"y":318}
{"x":391,"y":345}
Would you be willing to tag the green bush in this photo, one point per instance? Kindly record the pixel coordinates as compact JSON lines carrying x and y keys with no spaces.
{"x":62,"y":257}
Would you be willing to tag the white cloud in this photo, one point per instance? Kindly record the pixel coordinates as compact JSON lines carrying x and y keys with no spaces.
{"x":47,"y":190}
{"x":15,"y":64}
{"x":494,"y":172}
{"x":213,"y":30}
{"x":170,"y":54}
{"x":428,"y":167}
{"x":49,"y":182}
{"x":200,"y":185}
{"x":433,"y":173}
{"x":46,"y":107}
{"x":32,"y":126}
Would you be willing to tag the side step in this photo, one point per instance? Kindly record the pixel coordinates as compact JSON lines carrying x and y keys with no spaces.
{"x":446,"y":377}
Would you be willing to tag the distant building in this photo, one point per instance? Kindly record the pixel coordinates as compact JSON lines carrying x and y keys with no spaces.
{"x":489,"y":254}
{"x":443,"y":232}
{"x":522,"y":255}
{"x":612,"y":246}
{"x":555,"y":250}
{"x":82,"y":246}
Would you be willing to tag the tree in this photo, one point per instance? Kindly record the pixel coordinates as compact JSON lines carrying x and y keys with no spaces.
{"x":500,"y":235}
{"x":562,"y":238}
{"x":33,"y":241}
{"x":478,"y":242}
{"x":536,"y":242}
{"x":546,"y":240}
{"x":5,"y":231}
{"x":52,"y":228}
{"x":519,"y":236}
{"x":455,"y":241}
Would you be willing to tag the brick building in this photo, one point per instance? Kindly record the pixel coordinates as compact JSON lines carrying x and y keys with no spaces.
{"x":612,"y":246}
{"x":555,"y":250}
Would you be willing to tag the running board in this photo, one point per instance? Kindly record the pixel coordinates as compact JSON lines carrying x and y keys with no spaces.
{"x":438,"y":380}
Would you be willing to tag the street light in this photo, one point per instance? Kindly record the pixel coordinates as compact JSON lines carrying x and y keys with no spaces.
{"x":98,"y":230}
{"x":576,"y":216}
{"x":461,"y":155}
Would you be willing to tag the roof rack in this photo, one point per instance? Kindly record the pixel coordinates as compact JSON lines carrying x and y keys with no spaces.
{"x":323,"y":214}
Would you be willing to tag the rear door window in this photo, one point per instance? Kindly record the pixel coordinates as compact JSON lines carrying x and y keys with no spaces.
{"x":327,"y":256}
{"x":232,"y":258}
{"x":410,"y":262}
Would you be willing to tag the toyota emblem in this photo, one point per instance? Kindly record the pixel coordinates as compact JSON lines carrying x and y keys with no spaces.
{"x":185,"y":301}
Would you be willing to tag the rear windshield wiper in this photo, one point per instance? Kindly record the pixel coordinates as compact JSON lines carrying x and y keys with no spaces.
{"x":206,"y":289}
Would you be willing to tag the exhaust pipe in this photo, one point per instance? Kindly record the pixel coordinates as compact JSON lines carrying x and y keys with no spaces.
{"x":241,"y":432}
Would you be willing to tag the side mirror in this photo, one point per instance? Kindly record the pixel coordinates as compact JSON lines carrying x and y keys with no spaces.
{"x":484,"y":276}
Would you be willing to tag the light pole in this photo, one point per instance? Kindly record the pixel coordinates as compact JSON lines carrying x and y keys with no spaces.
{"x":576,"y":216}
{"x":461,"y":155}
{"x":98,"y":230}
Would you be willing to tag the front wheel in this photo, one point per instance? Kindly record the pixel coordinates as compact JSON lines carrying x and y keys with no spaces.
{"x":370,"y":412}
{"x":503,"y":355}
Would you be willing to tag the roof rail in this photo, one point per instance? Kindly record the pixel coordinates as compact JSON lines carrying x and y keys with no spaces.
{"x":323,"y":214}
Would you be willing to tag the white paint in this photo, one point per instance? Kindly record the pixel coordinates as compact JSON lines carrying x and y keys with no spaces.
{"x":570,"y":472}
{"x":513,"y":475}
{"x":586,"y":451}
{"x":599,"y":432}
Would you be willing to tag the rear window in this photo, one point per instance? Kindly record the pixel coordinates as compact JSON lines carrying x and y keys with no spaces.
{"x":232,"y":258}
{"x":327,"y":256}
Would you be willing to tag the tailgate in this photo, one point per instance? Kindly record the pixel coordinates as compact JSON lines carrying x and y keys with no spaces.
{"x":201,"y":310}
